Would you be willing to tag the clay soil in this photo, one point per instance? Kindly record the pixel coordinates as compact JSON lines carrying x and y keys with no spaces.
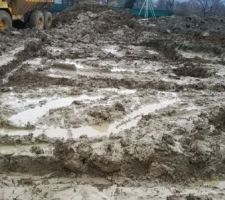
{"x":106,"y":106}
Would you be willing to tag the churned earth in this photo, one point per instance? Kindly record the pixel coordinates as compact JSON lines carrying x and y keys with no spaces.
{"x":107,"y":106}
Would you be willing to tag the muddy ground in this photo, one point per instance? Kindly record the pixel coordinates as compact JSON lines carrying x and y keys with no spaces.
{"x":107,"y":106}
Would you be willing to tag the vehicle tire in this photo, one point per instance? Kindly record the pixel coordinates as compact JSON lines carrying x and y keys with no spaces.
{"x":48,"y":19}
{"x":5,"y":20}
{"x":37,"y":20}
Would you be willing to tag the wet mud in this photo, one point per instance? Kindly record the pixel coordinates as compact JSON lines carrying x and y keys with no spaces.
{"x":119,"y":108}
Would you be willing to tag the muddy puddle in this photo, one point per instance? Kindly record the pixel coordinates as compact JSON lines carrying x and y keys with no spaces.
{"x":24,"y":149}
{"x":30,"y":116}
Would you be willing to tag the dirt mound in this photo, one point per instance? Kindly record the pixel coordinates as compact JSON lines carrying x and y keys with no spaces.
{"x":101,"y":15}
{"x":140,"y":159}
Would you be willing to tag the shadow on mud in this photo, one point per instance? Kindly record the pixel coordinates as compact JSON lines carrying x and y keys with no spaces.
{"x":19,"y":24}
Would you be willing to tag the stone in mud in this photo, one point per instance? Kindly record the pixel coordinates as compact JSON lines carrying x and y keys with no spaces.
{"x":25,"y":181}
{"x":79,"y":103}
{"x":205,"y":34}
{"x":108,"y":157}
{"x":175,"y":197}
{"x":65,"y":66}
{"x":74,"y":165}
{"x":201,"y":153}
{"x":12,"y":140}
{"x":119,"y":107}
{"x":101,"y":115}
{"x":194,"y":197}
{"x":3,"y":162}
{"x":36,"y":150}
{"x":42,"y":138}
{"x":84,"y":150}
{"x":32,"y":48}
{"x":73,"y":156}
{"x":217,"y":118}
{"x":5,"y":89}
{"x":158,"y":170}
{"x":168,"y":139}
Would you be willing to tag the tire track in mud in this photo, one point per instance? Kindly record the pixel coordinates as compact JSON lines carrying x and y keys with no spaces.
{"x":41,"y":80}
{"x":31,"y":50}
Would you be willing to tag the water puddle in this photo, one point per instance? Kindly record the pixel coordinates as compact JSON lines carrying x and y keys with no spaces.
{"x":116,"y":69}
{"x":32,"y":115}
{"x":89,"y":131}
{"x":63,"y":133}
{"x":22,"y":149}
{"x":129,"y":121}
{"x":118,"y":91}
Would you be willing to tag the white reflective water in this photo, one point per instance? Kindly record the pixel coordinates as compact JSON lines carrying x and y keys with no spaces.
{"x":32,"y":115}
{"x":127,"y":122}
{"x":6,"y":58}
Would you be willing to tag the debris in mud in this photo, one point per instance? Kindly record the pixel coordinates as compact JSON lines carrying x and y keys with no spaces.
{"x":192,"y":71}
{"x":217,"y":118}
{"x":25,"y":181}
{"x":37,"y":150}
{"x":106,"y":114}
{"x":119,"y":107}
{"x":188,"y":197}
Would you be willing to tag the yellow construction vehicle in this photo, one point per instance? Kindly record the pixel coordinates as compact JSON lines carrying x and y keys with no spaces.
{"x":32,"y":12}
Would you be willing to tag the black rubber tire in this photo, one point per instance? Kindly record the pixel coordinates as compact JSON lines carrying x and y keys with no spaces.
{"x":6,"y":19}
{"x":48,"y":19}
{"x":37,"y":20}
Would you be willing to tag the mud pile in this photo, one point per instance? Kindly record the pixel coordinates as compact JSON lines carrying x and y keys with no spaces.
{"x":143,"y":156}
{"x":97,"y":25}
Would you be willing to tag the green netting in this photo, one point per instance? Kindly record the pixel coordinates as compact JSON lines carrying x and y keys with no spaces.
{"x":58,"y":7}
{"x":136,"y":12}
